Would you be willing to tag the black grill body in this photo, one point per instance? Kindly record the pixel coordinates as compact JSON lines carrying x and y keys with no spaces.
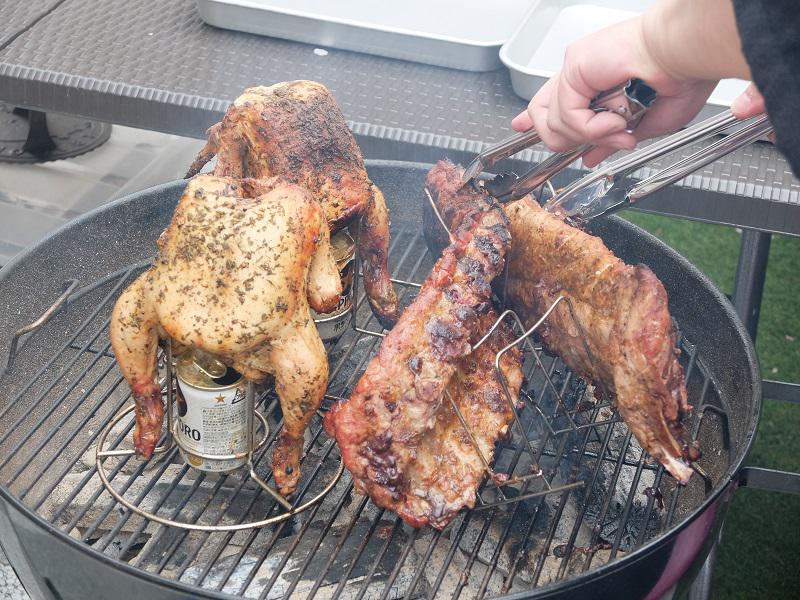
{"x":52,"y":564}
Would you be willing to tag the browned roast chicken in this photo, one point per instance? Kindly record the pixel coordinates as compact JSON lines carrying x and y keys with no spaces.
{"x":234,"y":275}
{"x":295,"y":130}
{"x":397,"y":432}
{"x":621,"y":309}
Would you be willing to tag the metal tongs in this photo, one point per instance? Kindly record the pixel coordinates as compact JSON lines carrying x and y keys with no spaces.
{"x":629,"y":100}
{"x":605,"y":191}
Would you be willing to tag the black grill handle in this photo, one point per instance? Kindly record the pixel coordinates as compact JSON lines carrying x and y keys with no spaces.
{"x":770,"y":480}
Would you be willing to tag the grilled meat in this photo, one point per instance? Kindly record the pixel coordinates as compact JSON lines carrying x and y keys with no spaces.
{"x":234,"y":275}
{"x":295,"y":130}
{"x":396,"y":432}
{"x":621,"y":311}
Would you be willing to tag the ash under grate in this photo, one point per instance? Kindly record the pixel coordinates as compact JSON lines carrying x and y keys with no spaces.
{"x":344,"y":546}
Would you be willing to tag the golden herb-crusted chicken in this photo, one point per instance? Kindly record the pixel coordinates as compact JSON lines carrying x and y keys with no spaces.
{"x":295,"y":130}
{"x":395,"y":430}
{"x":234,"y":275}
{"x":621,"y":309}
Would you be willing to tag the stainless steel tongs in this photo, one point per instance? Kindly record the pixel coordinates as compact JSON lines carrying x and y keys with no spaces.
{"x":630,"y":100}
{"x":605,"y":191}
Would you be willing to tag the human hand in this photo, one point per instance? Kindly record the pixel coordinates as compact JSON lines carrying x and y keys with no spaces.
{"x":560,"y":111}
{"x":683,"y":62}
{"x":749,"y":103}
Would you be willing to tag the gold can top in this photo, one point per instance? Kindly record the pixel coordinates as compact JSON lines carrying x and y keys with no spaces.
{"x":204,"y":371}
{"x":344,"y":248}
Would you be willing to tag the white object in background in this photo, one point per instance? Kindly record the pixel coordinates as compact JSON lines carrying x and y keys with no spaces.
{"x":535,"y":50}
{"x":461,"y":34}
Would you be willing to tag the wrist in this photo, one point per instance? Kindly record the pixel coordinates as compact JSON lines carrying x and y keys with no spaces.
{"x":692,"y":40}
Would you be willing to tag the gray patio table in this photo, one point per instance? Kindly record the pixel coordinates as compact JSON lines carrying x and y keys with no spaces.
{"x":154,"y":64}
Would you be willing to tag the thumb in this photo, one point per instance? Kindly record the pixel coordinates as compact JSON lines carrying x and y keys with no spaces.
{"x":749,"y":103}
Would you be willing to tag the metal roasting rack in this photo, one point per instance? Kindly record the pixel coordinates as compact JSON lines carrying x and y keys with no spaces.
{"x":171,"y":440}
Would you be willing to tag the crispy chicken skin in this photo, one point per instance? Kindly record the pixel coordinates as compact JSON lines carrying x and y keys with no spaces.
{"x":396,"y":429}
{"x":234,"y":276}
{"x":621,"y":309}
{"x":295,"y":130}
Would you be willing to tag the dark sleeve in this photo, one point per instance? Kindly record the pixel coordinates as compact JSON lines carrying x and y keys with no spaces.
{"x":770,"y":33}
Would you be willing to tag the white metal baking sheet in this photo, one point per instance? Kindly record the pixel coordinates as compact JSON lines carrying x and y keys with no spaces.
{"x":461,"y":34}
{"x":535,"y":50}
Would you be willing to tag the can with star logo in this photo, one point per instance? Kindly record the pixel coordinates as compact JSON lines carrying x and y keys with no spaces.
{"x":211,"y":423}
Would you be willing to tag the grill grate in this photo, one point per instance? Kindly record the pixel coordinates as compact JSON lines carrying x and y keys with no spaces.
{"x":343,"y":546}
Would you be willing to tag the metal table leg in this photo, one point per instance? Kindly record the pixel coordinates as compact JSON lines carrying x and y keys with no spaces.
{"x":750,"y":275}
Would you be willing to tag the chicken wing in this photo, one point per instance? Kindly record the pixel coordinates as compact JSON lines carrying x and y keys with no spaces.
{"x":295,"y":130}
{"x":234,"y":275}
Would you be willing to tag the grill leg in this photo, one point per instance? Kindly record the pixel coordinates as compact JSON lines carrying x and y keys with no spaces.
{"x":701,"y":587}
{"x":750,"y":274}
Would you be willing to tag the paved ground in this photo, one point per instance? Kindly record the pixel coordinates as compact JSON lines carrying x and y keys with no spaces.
{"x":35,"y":199}
{"x":10,"y":587}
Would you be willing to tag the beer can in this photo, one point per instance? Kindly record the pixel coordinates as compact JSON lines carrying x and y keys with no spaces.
{"x":212,"y":413}
{"x":331,"y":325}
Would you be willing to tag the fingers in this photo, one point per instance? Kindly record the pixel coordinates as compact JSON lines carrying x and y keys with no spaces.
{"x":570,"y":117}
{"x":561,"y":115}
{"x":522,"y":122}
{"x":749,"y":103}
{"x":607,"y":147}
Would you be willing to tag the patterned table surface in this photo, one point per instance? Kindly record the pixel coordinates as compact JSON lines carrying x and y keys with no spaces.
{"x":154,"y":64}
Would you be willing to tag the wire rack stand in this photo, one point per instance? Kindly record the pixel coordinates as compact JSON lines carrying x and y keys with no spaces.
{"x":170,"y":441}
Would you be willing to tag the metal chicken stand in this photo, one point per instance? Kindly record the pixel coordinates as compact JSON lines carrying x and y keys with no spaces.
{"x":172,"y":440}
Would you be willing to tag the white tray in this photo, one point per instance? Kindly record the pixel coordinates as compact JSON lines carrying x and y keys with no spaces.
{"x":461,"y":34}
{"x":535,"y":50}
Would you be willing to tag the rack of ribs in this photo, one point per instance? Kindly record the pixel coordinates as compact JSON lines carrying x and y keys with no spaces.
{"x":621,"y":337}
{"x":398,"y":434}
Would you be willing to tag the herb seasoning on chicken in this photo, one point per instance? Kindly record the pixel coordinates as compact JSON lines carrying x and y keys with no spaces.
{"x":234,"y":276}
{"x":295,"y":130}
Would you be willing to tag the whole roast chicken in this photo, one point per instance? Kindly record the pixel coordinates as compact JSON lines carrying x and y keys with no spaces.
{"x":295,"y":130}
{"x":234,"y":276}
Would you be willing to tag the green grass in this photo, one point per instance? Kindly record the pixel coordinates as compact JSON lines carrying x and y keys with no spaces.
{"x":759,"y":553}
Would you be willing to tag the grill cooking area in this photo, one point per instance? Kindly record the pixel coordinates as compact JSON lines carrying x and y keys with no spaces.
{"x":597,"y":499}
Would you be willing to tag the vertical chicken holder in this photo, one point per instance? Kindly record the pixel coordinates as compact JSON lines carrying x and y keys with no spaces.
{"x":171,"y":441}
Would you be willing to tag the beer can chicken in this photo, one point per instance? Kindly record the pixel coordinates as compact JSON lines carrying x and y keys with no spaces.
{"x":622,"y":337}
{"x":234,"y":275}
{"x":295,"y":130}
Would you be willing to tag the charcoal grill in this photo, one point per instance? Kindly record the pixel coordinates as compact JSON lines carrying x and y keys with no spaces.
{"x":612,"y":525}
